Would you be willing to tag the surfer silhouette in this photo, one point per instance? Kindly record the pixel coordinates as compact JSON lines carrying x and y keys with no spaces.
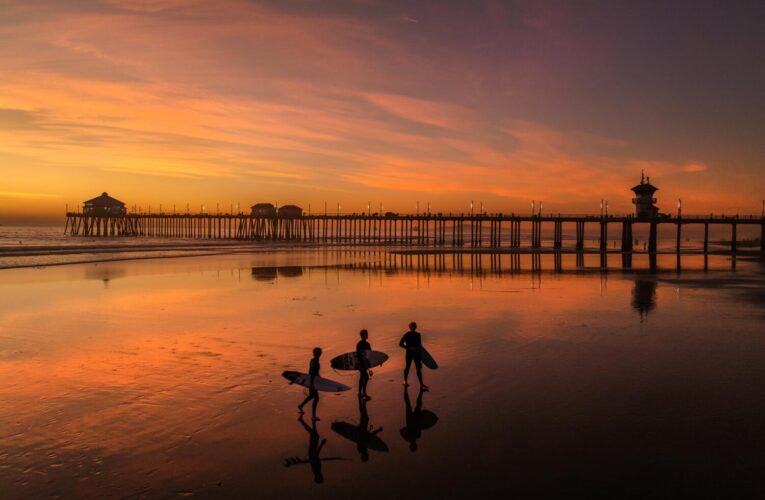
{"x":313,"y":394}
{"x":412,"y":342}
{"x":361,"y":352}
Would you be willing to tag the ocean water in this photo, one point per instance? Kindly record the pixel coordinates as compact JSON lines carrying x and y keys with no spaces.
{"x":161,"y":378}
{"x":22,"y":246}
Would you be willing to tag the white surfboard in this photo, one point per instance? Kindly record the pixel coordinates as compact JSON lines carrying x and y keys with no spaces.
{"x":350,"y":360}
{"x":319,"y":383}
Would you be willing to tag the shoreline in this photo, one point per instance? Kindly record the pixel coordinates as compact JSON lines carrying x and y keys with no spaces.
{"x":275,"y":249}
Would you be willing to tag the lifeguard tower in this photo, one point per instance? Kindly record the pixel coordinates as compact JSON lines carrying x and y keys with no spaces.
{"x":644,"y":201}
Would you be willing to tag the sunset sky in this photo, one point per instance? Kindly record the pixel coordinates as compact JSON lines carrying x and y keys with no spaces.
{"x":226,"y":101}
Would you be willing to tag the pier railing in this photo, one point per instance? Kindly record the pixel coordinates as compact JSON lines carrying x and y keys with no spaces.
{"x":428,"y":229}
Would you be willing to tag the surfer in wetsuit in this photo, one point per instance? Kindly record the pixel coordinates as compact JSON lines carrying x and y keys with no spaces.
{"x":412,"y":341}
{"x":313,"y":394}
{"x":361,"y":353}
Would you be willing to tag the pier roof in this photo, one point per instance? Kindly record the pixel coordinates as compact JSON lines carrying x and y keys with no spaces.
{"x":645,"y":188}
{"x":104,"y":200}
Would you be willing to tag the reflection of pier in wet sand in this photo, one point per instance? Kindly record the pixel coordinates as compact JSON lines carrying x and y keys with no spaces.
{"x":499,"y":263}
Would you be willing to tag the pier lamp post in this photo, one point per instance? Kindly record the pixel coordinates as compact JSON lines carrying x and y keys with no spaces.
{"x":338,"y":209}
{"x":203,"y":209}
{"x":369,"y":208}
{"x":601,"y":208}
{"x":428,"y":208}
{"x":679,"y":208}
{"x":606,"y":208}
{"x":471,"y":207}
{"x":482,"y":209}
{"x":532,"y":207}
{"x":540,"y":209}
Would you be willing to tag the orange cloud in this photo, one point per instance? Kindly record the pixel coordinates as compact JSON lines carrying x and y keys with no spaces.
{"x":694,"y":167}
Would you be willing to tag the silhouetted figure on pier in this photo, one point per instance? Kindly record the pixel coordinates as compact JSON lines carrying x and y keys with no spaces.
{"x":315,"y":445}
{"x":417,"y":420}
{"x":313,"y":394}
{"x":361,"y":352}
{"x":412,"y":342}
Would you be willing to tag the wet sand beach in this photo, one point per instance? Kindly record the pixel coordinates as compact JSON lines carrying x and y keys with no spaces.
{"x":161,"y":378}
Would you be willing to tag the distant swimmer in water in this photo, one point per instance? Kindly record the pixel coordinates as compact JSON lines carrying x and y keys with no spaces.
{"x":361,"y":352}
{"x":313,"y":394}
{"x":412,"y":342}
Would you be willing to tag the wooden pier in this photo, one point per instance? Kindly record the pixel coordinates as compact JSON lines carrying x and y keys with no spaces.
{"x":424,"y":230}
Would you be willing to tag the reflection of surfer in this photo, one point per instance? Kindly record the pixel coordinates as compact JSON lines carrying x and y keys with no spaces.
{"x":361,"y":352}
{"x":313,"y":394}
{"x":417,"y":420}
{"x":364,"y":435}
{"x":314,"y":450}
{"x":365,"y":431}
{"x":413,"y":429}
{"x":315,"y":444}
{"x":412,"y":342}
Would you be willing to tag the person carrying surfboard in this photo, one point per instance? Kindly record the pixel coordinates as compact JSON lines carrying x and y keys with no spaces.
{"x":362,"y":347}
{"x":313,"y":394}
{"x":412,"y":342}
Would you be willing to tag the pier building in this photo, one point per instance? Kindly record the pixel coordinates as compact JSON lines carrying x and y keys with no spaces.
{"x":644,"y":201}
{"x":263,"y":210}
{"x":290,"y":212}
{"x":104,"y":206}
